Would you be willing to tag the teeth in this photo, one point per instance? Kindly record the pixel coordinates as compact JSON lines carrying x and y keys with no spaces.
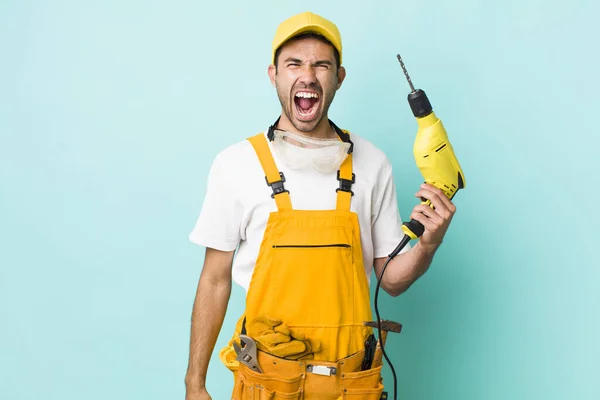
{"x":307,"y":95}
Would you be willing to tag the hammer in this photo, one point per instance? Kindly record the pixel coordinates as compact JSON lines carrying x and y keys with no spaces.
{"x":386,"y":326}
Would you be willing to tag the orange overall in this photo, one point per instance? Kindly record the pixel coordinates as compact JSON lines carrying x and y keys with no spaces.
{"x":307,"y":302}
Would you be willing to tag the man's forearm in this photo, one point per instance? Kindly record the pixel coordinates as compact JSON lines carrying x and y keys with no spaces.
{"x":406,"y":268}
{"x":208,"y":314}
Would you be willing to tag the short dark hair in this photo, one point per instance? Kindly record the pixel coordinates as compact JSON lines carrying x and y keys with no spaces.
{"x":309,"y":35}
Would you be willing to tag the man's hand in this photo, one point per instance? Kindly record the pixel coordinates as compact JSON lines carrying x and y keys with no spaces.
{"x":407,"y":267}
{"x":199,"y":394}
{"x":435,"y":221}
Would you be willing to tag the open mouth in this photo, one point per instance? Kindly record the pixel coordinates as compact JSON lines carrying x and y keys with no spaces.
{"x":307,"y":105}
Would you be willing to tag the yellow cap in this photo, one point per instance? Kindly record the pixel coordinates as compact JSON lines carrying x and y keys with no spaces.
{"x":307,"y":22}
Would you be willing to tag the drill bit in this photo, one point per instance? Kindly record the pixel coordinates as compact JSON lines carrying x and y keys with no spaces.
{"x":406,"y":73}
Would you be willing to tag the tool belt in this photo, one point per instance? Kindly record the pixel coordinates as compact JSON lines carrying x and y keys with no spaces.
{"x":308,"y":379}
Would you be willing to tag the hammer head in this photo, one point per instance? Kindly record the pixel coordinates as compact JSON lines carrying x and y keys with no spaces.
{"x":386,"y":325}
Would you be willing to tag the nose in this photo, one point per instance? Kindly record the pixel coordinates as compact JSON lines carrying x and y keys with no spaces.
{"x":307,"y":74}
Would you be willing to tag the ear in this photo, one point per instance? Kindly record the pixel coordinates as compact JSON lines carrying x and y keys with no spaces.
{"x":341,"y":76}
{"x":272,"y":72}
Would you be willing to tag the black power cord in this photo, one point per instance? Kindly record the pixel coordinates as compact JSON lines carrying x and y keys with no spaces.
{"x":393,"y":254}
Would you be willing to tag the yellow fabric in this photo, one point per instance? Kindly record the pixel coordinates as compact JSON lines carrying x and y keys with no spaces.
{"x":344,"y":198}
{"x":306,"y":22}
{"x":261,"y":147}
{"x":308,"y":299}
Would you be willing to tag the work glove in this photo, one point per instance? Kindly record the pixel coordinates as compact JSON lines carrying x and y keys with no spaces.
{"x":274,"y":337}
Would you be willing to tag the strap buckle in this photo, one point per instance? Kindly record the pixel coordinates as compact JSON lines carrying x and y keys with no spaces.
{"x":277,"y":186}
{"x":345,"y":184}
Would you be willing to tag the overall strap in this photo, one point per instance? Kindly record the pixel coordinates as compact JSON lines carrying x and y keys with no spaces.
{"x":273,"y":177}
{"x":346,"y":178}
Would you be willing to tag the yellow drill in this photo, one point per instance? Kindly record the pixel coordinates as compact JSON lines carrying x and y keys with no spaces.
{"x":433,"y":154}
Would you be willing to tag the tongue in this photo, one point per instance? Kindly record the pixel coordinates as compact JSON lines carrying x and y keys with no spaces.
{"x":305,"y":104}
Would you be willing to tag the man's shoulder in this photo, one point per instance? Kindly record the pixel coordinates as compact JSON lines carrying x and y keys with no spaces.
{"x":367,"y":154}
{"x":236,"y":161}
{"x":366,"y":145}
{"x":237,"y":152}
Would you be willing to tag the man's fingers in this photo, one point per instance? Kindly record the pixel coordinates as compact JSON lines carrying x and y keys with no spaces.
{"x":441,"y":196}
{"x":429,"y":213}
{"x":424,"y":220}
{"x":439,"y":206}
{"x":443,"y":206}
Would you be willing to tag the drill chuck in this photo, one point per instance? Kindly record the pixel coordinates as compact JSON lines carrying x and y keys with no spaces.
{"x":419,"y":103}
{"x":417,"y":99}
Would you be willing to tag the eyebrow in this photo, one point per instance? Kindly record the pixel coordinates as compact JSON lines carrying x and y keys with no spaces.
{"x":320,"y":62}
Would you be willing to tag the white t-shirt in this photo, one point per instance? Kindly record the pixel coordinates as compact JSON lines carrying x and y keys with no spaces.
{"x":238,"y":202}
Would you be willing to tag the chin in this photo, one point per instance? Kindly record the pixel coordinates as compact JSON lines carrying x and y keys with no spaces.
{"x":307,"y":126}
{"x":304,"y":126}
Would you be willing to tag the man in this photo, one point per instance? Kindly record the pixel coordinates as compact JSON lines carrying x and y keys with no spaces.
{"x":311,"y":210}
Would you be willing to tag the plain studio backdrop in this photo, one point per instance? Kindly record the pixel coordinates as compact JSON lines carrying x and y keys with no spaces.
{"x":111,"y":113}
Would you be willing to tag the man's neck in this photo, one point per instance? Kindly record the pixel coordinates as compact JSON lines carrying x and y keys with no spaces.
{"x":323,"y":131}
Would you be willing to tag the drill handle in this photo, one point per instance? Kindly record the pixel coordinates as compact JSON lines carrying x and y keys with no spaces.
{"x":413,"y":228}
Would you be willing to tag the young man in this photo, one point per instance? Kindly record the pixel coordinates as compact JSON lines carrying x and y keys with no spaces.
{"x":311,"y":210}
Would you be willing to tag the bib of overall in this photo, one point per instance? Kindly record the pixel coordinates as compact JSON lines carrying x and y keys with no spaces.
{"x":307,"y":301}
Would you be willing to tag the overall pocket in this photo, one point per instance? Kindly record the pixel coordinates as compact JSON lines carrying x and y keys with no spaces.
{"x":315,"y":279}
{"x":364,"y":385}
{"x":266,"y":394}
{"x":266,"y":386}
{"x":363,"y":394}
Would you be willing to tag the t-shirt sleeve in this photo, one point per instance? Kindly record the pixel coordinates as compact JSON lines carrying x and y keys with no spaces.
{"x":218,"y":224}
{"x":387,"y":223}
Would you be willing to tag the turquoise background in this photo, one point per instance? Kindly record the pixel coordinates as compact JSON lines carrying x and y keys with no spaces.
{"x":111,"y":113}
